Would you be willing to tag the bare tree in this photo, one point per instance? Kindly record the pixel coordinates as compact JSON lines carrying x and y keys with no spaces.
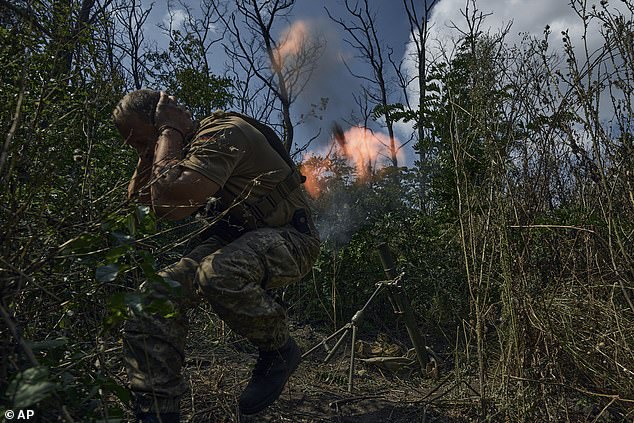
{"x":363,"y":37}
{"x":203,"y":29}
{"x":131,"y":16}
{"x":184,"y":68}
{"x":64,"y":25}
{"x":418,"y":19}
{"x":363,"y":103}
{"x":72,"y":21}
{"x":282,"y":65}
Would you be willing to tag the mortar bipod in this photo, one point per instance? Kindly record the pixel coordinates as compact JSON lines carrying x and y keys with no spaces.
{"x":401,"y":306}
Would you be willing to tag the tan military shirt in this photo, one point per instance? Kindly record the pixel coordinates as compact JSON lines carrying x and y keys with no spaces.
{"x":238,"y":157}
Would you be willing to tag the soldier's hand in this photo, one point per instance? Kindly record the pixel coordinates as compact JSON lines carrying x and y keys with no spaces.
{"x":169,"y":114}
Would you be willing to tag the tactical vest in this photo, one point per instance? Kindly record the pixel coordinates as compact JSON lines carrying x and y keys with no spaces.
{"x":239,"y":216}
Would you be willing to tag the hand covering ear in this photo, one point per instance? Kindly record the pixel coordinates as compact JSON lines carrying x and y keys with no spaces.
{"x":170,"y":114}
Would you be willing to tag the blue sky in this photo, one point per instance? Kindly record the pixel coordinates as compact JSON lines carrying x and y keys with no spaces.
{"x":333,"y":81}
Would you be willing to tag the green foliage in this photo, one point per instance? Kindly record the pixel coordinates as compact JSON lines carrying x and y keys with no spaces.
{"x":353,"y":217}
{"x":523,"y":250}
{"x":184,"y":72}
{"x":124,"y":232}
{"x":107,"y":273}
{"x":397,"y":112}
{"x":30,"y":387}
{"x":63,"y":173}
{"x":467,"y":121}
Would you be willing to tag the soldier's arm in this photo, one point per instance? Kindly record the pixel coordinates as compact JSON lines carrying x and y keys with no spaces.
{"x":177,"y":192}
{"x":138,"y":188}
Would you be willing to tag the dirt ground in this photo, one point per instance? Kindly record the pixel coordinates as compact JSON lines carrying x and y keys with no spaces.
{"x":219,"y":365}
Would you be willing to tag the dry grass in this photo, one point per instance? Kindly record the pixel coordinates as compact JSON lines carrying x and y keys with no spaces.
{"x":219,"y":365}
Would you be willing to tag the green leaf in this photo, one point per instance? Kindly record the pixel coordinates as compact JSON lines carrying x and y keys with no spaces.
{"x":85,"y":243}
{"x":148,"y":264}
{"x":116,"y":310}
{"x":107,"y":273}
{"x":162,"y":307}
{"x":130,"y":224}
{"x":146,"y":219}
{"x":114,"y":254}
{"x":171,"y":283}
{"x":30,"y":387}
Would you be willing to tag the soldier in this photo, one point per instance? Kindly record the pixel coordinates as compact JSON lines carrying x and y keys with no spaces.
{"x":266,"y":240}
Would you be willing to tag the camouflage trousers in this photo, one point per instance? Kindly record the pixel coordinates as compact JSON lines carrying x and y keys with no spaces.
{"x":234,"y":278}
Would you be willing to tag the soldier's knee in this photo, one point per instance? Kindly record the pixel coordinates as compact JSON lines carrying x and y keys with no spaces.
{"x":227,"y":272}
{"x":175,"y":283}
{"x":184,"y":269}
{"x":209,"y":279}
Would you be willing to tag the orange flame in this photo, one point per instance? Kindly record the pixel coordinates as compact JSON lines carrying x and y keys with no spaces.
{"x":312,"y":183}
{"x":363,"y":149}
{"x":293,"y":40}
{"x":313,"y":168}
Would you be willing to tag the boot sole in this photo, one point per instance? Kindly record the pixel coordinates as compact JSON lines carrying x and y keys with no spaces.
{"x":276,"y":394}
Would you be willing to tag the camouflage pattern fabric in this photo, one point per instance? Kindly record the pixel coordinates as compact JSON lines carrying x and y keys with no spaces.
{"x":234,"y":278}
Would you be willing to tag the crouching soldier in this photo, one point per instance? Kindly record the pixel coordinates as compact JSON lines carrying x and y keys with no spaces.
{"x":265,"y":240}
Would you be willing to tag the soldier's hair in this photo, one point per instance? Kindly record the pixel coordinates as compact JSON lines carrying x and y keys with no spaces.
{"x":140,"y":102}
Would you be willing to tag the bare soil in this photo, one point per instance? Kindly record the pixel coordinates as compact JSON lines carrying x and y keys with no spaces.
{"x":219,"y":365}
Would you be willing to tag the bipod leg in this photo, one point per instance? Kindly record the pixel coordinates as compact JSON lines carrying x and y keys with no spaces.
{"x":354,"y":324}
{"x":323,"y":341}
{"x":352,"y":357}
{"x":344,"y":330}
{"x":334,"y":349}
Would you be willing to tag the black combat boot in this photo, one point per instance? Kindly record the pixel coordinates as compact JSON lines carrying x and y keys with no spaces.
{"x":269,"y":376}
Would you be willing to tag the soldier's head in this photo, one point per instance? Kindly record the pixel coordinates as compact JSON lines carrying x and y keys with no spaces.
{"x":134,"y":114}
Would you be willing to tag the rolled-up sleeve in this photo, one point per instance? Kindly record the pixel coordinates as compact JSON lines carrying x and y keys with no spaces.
{"x":216,"y":155}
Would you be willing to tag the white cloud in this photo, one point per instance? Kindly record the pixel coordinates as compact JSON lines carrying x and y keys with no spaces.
{"x":527,"y":17}
{"x":177,"y":18}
